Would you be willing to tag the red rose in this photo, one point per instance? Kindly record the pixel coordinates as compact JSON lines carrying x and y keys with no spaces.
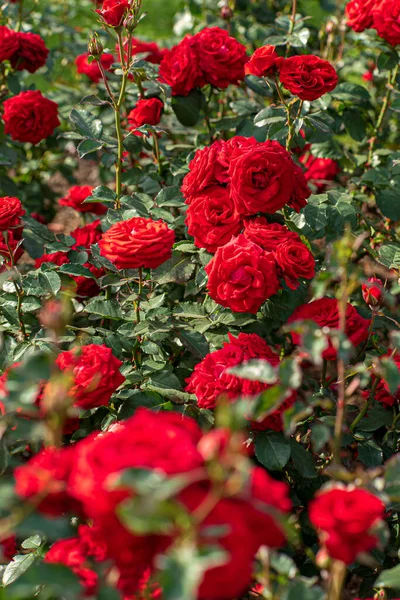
{"x":113,"y":11}
{"x":205,"y":170}
{"x":301,"y":190}
{"x":9,"y":43}
{"x":296,"y":262}
{"x":346,"y":517}
{"x":76,"y":197}
{"x":44,"y":479}
{"x":386,"y":15}
{"x":373,"y":292}
{"x":212,"y":218}
{"x":91,"y":69}
{"x":263,"y":177}
{"x":152,"y":53}
{"x":222,"y":57}
{"x":146,"y":112}
{"x":30,"y":117}
{"x":268,"y":235}
{"x":95,"y":373}
{"x":31,"y":54}
{"x":265,"y":62}
{"x":359,"y":14}
{"x":383,"y":393}
{"x":8,"y":548}
{"x":11,"y":212}
{"x":210,"y":380}
{"x":241,"y":276}
{"x":319,"y":171}
{"x":87,"y":235}
{"x":85,"y":286}
{"x":69,"y":552}
{"x":308,"y":76}
{"x":137,"y":243}
{"x":180,"y":68}
{"x":325,"y":313}
{"x":13,"y":244}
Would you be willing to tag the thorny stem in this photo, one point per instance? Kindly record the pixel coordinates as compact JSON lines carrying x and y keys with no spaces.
{"x":156,"y":147}
{"x":385,"y":105}
{"x":292,"y":24}
{"x":20,"y":293}
{"x":366,"y":406}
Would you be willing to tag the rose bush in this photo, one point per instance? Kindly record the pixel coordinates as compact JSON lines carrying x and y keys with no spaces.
{"x":199,"y":266}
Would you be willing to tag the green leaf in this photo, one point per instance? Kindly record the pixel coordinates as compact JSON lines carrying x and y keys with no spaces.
{"x":270,"y":116}
{"x":321,"y":121}
{"x":177,"y":269}
{"x":351,"y":92}
{"x":355,"y":124}
{"x":258,"y":85}
{"x":194,"y":341}
{"x":17,"y":567}
{"x":388,"y":202}
{"x":389,"y":578}
{"x":389,"y":255}
{"x":272,"y":449}
{"x":392,"y":479}
{"x":302,"y":460}
{"x":388,"y":59}
{"x":50,"y":280}
{"x":102,"y":194}
{"x":370,"y":454}
{"x":187,"y":108}
{"x":109,"y":309}
{"x":76,"y":270}
{"x":86,"y":124}
{"x":88,"y":146}
{"x":255,"y":370}
{"x":35,"y":541}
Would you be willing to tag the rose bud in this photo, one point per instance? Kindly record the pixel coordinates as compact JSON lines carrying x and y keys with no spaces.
{"x":373,"y":292}
{"x":95,"y":47}
{"x":226,"y":13}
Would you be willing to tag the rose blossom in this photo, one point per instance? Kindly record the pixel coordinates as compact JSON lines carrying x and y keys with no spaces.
{"x":241,"y":276}
{"x":221,"y":57}
{"x":212,"y":218}
{"x":13,"y":244}
{"x":87,"y":235}
{"x":113,"y":11}
{"x":69,"y":552}
{"x":146,"y":112}
{"x":268,"y":235}
{"x":346,"y":517}
{"x":76,"y":197}
{"x":308,"y":76}
{"x":373,"y":292}
{"x":319,"y":171}
{"x":95,"y":373}
{"x":30,"y":117}
{"x":153,"y":54}
{"x":91,"y":69}
{"x":11,"y":212}
{"x":325,"y":313}
{"x":180,"y":68}
{"x":386,"y":15}
{"x":9,"y":43}
{"x":296,"y":262}
{"x":31,"y":54}
{"x":137,"y":243}
{"x":359,"y":14}
{"x":265,"y":62}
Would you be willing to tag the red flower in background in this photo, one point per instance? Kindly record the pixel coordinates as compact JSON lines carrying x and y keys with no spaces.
{"x":359,"y":14}
{"x":153,"y":54}
{"x":85,"y":286}
{"x":241,"y":276}
{"x":346,"y":517}
{"x":14,"y":244}
{"x":319,"y":171}
{"x":95,"y":374}
{"x":11,"y":212}
{"x":137,"y":243}
{"x":383,"y":393}
{"x":146,"y":112}
{"x":113,"y":11}
{"x":386,"y":15}
{"x":69,"y":552}
{"x":87,"y":235}
{"x":373,"y":292}
{"x":76,"y":197}
{"x":265,"y":62}
{"x":180,"y":68}
{"x":9,"y":43}
{"x":31,"y":53}
{"x":325,"y":313}
{"x":308,"y":76}
{"x":30,"y":117}
{"x":91,"y":69}
{"x":221,"y":57}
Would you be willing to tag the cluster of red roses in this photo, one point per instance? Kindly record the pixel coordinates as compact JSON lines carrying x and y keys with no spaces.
{"x":306,"y":76}
{"x":382,"y":15}
{"x":11,"y":228}
{"x":28,"y":116}
{"x":228,"y":184}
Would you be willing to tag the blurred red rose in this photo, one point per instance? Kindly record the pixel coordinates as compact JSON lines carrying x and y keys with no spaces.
{"x":31,"y":53}
{"x":9,"y":43}
{"x":241,"y":276}
{"x":146,"y":112}
{"x":307,"y":76}
{"x":69,"y":552}
{"x":30,"y":117}
{"x":265,"y":62}
{"x":373,"y":292}
{"x":319,"y":171}
{"x":222,"y":57}
{"x":76,"y":197}
{"x":8,"y":548}
{"x":95,"y":373}
{"x":345,"y":517}
{"x":212,"y":218}
{"x":386,"y":15}
{"x":113,"y":11}
{"x":11,"y":212}
{"x":85,"y":286}
{"x":14,"y":244}
{"x":359,"y":14}
{"x":137,"y":243}
{"x":153,"y":54}
{"x":180,"y":68}
{"x":91,"y":69}
{"x":87,"y":235}
{"x":325,"y":313}
{"x":383,"y":394}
